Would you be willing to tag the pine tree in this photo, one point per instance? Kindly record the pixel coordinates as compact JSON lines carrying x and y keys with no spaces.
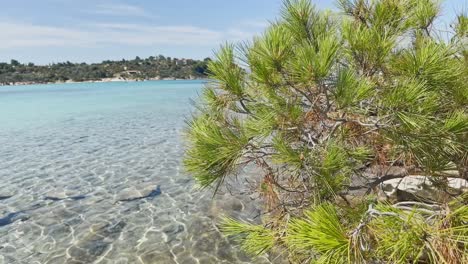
{"x":323,"y":100}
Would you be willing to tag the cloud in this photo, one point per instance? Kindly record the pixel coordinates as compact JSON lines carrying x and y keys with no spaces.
{"x":136,"y":34}
{"x":114,"y":9}
{"x":26,"y":35}
{"x":22,"y":35}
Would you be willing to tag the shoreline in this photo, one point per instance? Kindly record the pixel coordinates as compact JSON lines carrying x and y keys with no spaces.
{"x":105,"y":80}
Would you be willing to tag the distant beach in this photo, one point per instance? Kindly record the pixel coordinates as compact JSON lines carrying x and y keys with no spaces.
{"x":139,"y":69}
{"x":104,"y":80}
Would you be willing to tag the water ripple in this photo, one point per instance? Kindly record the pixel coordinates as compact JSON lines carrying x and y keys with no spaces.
{"x":106,"y":190}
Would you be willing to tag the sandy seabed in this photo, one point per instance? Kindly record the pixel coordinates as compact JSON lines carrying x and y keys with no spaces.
{"x":107,"y":189}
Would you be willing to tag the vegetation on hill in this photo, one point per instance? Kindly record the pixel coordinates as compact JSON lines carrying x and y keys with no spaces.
{"x":332,"y":108}
{"x":140,"y":69}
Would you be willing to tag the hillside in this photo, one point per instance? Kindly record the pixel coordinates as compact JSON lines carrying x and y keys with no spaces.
{"x":151,"y":68}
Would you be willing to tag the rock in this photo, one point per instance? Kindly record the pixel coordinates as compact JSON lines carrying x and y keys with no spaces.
{"x":350,"y":200}
{"x":255,"y":196}
{"x":453,"y":173}
{"x":157,"y":257}
{"x":227,"y":205}
{"x":111,"y":230}
{"x":225,"y":252}
{"x":264,"y":260}
{"x":138,"y":192}
{"x":172,"y":232}
{"x":59,"y":230}
{"x":186,"y":258}
{"x":418,"y":187}
{"x":59,"y":195}
{"x":5,"y":196}
{"x":205,"y":244}
{"x":57,"y":260}
{"x":97,"y":242}
{"x":208,"y":259}
{"x":458,"y":184}
{"x":8,"y":259}
{"x":199,"y":226}
{"x":173,"y":229}
{"x":13,"y":217}
{"x":243,"y":256}
{"x":74,"y":198}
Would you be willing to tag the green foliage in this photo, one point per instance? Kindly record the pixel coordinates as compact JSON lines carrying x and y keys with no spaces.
{"x":425,"y":12}
{"x":390,"y":16}
{"x":329,"y":105}
{"x":226,"y":72}
{"x":139,"y":69}
{"x":254,"y":239}
{"x":368,"y":47}
{"x":409,"y":96}
{"x":298,"y":15}
{"x":216,"y":150}
{"x":434,"y":64}
{"x":457,"y":123}
{"x":461,"y":28}
{"x":333,"y":168}
{"x":320,"y":232}
{"x":409,"y":236}
{"x":350,"y":89}
{"x":314,"y":63}
{"x":262,"y":124}
{"x":286,"y":154}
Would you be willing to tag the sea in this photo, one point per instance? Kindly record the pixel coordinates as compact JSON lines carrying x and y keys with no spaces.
{"x":92,"y":173}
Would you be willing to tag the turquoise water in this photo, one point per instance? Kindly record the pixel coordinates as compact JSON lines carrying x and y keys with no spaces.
{"x":37,"y":105}
{"x":92,"y":173}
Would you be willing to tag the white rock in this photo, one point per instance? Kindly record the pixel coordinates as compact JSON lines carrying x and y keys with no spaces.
{"x":458,"y":184}
{"x":419,"y":186}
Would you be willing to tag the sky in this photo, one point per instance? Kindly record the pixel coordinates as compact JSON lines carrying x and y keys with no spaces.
{"x":48,"y":31}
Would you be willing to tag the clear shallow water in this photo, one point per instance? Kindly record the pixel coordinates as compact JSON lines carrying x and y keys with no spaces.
{"x":91,"y":173}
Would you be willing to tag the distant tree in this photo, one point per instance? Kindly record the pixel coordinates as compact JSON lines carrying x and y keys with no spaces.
{"x":62,"y":71}
{"x":329,"y":106}
{"x":200,"y":68}
{"x":15,"y":63}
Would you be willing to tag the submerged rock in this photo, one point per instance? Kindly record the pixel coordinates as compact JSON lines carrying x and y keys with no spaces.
{"x":157,"y":257}
{"x":13,"y":217}
{"x":97,"y":242}
{"x":4,"y":197}
{"x":63,"y":195}
{"x":173,"y":229}
{"x":136,"y":193}
{"x":74,"y":198}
